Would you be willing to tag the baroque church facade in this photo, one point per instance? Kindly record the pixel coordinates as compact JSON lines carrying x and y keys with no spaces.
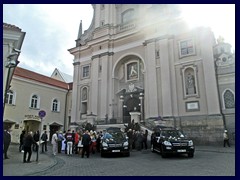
{"x":141,"y":62}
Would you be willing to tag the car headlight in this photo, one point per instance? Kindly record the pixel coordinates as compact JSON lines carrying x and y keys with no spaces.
{"x":167,"y":143}
{"x":190,"y":143}
{"x":125,"y":143}
{"x":104,"y":144}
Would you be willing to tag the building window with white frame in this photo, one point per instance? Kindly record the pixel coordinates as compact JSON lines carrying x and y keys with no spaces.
{"x":34,"y":102}
{"x":186,"y":48}
{"x":55,"y":105}
{"x":86,"y":71}
{"x":10,"y":97}
{"x":229,"y":99}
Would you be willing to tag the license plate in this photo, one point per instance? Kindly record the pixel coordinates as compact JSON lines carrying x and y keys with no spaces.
{"x":181,"y":150}
{"x":115,"y":150}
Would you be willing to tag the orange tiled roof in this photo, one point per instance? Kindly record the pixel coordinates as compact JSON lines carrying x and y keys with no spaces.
{"x":24,"y":73}
{"x":11,"y":27}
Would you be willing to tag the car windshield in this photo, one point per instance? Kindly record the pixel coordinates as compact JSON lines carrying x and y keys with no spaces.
{"x":172,"y":133}
{"x":117,"y":136}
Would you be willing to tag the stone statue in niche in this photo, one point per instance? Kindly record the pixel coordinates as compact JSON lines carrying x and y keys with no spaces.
{"x":84,"y":94}
{"x":190,"y":84}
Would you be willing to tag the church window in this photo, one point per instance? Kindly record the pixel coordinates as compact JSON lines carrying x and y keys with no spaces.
{"x":86,"y":71}
{"x":228,"y":97}
{"x":186,"y":48}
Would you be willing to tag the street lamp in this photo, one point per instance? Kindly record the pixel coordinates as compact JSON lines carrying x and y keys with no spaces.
{"x":141,"y":96}
{"x":11,"y":63}
{"x":122,"y":100}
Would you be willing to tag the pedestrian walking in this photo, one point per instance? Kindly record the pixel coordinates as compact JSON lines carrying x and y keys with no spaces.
{"x":44,"y":138}
{"x":36,"y":138}
{"x":130,"y":139}
{"x":6,"y":141}
{"x":22,"y":136}
{"x":60,"y":139}
{"x":144,"y":142}
{"x":225,"y":139}
{"x":139,"y":139}
{"x":86,"y":139}
{"x":69,"y":139}
{"x":55,"y":143}
{"x":28,"y":142}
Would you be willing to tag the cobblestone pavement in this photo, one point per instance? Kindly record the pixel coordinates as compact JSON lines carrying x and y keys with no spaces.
{"x":208,"y":161}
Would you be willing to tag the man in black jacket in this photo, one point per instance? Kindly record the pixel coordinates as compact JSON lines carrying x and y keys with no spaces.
{"x":44,"y":138}
{"x":28,"y":141}
{"x":6,"y":141}
{"x":22,"y":136}
{"x":86,"y":139}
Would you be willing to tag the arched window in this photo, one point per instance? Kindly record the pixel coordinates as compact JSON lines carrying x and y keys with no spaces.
{"x":229,"y":101}
{"x":34,"y":102}
{"x":10,"y":97}
{"x":55,"y":105}
{"x":128,"y":15}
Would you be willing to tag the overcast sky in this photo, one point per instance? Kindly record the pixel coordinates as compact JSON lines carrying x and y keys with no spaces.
{"x":52,"y":29}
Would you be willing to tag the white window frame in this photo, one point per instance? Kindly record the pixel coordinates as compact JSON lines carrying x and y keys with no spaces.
{"x":57,"y":104}
{"x":13,"y":94}
{"x":180,"y":48}
{"x":83,"y":73}
{"x":37,"y":104}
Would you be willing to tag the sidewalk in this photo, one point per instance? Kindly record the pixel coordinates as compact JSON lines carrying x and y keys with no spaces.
{"x":219,"y":149}
{"x":14,"y":166}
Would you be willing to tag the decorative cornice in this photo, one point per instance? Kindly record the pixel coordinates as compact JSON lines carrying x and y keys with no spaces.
{"x":102,"y":54}
{"x":76,"y":63}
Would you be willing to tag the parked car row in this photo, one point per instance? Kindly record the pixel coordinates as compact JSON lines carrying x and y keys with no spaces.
{"x":164,"y":140}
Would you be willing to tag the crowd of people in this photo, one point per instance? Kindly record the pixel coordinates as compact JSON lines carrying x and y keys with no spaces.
{"x":71,"y":142}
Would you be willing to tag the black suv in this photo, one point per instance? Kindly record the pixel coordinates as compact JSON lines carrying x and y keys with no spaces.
{"x":166,"y":140}
{"x":114,"y":142}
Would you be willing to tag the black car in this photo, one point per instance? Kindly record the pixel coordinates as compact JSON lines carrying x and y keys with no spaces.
{"x":167,"y":140}
{"x":114,"y":142}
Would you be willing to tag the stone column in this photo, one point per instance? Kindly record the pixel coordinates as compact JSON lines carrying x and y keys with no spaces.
{"x":75,"y":103}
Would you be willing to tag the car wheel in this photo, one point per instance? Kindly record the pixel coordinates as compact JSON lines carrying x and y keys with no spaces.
{"x":102,"y":154}
{"x":152,"y":148}
{"x":128,"y":154}
{"x":190,"y":155}
{"x":163,"y":154}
